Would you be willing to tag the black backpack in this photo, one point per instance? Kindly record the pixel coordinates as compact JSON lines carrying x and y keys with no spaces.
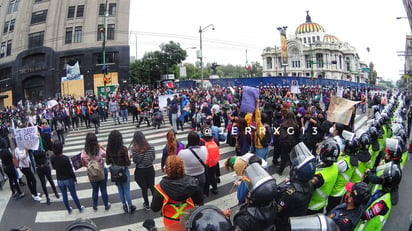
{"x":268,"y":138}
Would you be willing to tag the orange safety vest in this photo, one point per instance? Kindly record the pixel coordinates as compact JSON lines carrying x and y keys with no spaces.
{"x":173,"y":210}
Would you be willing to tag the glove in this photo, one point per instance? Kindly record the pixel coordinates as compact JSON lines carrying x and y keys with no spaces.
{"x":379,"y":208}
{"x":149,"y":224}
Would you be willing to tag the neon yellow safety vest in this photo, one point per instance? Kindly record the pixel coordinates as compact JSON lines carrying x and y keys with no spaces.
{"x":376,"y":223}
{"x":374,"y":154}
{"x":321,"y":194}
{"x":359,"y":171}
{"x":339,"y":189}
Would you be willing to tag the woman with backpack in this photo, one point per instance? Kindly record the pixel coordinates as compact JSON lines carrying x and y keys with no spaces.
{"x":143,"y":156}
{"x":117,"y":155}
{"x":93,"y":159}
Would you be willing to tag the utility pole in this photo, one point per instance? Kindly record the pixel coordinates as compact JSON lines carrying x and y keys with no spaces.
{"x":104,"y":67}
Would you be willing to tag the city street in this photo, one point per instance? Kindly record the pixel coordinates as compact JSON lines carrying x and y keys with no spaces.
{"x":40,"y":216}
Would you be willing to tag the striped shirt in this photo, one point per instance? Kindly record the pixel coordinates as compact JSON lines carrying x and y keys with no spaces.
{"x":144,"y":159}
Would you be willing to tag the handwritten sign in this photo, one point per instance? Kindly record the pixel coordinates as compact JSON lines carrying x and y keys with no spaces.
{"x":340,"y":110}
{"x":76,"y":161}
{"x":27,"y":138}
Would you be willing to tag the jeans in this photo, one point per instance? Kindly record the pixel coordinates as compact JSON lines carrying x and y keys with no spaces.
{"x":115,"y":117}
{"x":124,"y":190}
{"x":262,"y":152}
{"x":102,"y":185}
{"x":174,"y":122}
{"x":63,"y":186}
{"x":124,"y":114}
{"x":144,"y":177}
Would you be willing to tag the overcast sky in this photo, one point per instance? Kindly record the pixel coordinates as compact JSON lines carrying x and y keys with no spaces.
{"x":251,"y":25}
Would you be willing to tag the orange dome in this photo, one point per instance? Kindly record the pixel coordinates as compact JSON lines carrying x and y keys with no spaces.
{"x":309,"y":26}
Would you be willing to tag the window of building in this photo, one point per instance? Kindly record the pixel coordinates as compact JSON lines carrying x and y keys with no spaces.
{"x":36,"y":39}
{"x":269,"y":63}
{"x":318,"y":38}
{"x":112,"y":9}
{"x":313,"y":38}
{"x":38,"y":1}
{"x":308,"y":61}
{"x":319,"y":60}
{"x":304,"y":40}
{"x":110,"y":31}
{"x":100,"y":32}
{"x":309,"y":41}
{"x":111,"y":57}
{"x":69,"y":35}
{"x":5,"y":73}
{"x":9,"y":45}
{"x":80,"y":11}
{"x":12,"y":23}
{"x":13,"y":6}
{"x":2,"y":49}
{"x":70,"y":12}
{"x":38,"y":17}
{"x":101,"y":9}
{"x":78,"y":34}
{"x":6,"y":27}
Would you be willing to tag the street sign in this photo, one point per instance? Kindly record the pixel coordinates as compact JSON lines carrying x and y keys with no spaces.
{"x":366,"y":69}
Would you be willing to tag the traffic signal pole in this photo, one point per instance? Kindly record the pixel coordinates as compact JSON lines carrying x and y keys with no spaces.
{"x":104,"y":68}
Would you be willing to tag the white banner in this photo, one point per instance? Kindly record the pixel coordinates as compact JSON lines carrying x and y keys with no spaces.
{"x":73,"y":72}
{"x":163,"y":101}
{"x":27,"y":138}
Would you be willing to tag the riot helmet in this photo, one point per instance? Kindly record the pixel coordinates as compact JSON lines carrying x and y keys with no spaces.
{"x":328,"y":150}
{"x":392,"y":174}
{"x":351,"y":146}
{"x":206,"y":218}
{"x":262,"y":186}
{"x":359,"y":191}
{"x":401,"y":143}
{"x":402,"y":134}
{"x":374,"y":134}
{"x":364,"y":141}
{"x":82,"y":224}
{"x":393,"y":149}
{"x":317,"y":222}
{"x":303,"y":163}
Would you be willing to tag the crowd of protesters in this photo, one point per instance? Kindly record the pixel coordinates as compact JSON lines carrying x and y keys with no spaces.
{"x":216,"y":109}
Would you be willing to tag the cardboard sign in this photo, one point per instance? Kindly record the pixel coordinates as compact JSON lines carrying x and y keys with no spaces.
{"x":27,"y":138}
{"x":340,"y":110}
{"x":250,"y":95}
{"x":76,"y":161}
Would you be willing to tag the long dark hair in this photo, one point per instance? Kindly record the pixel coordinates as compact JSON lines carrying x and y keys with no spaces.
{"x":193,"y":139}
{"x":114,"y":143}
{"x":290,"y":120}
{"x":139,"y":143}
{"x":91,"y":146}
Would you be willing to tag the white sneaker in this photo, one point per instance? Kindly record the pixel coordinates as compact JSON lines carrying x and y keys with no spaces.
{"x":36,"y":198}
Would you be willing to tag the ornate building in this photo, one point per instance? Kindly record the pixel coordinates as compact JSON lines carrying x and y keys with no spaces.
{"x":313,"y":53}
{"x":40,"y":38}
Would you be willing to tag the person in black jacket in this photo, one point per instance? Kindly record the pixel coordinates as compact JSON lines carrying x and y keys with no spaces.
{"x":43,"y":170}
{"x":177,"y":188}
{"x":66,"y":178}
{"x":7,"y":159}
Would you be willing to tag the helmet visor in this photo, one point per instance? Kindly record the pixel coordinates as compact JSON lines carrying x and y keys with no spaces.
{"x":300,"y":155}
{"x":392,"y":144}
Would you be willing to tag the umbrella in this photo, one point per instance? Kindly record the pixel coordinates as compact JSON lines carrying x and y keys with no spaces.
{"x":52,"y":103}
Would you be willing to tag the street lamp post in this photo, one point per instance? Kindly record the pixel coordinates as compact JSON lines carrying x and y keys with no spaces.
{"x":200,"y":56}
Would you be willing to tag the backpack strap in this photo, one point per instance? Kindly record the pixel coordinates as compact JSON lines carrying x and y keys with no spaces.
{"x":198,"y":158}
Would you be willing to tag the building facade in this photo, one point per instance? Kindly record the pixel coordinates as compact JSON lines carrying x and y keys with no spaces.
{"x":313,"y":53}
{"x":39,"y":38}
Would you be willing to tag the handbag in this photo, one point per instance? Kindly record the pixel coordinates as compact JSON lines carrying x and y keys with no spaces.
{"x":207,"y":185}
{"x":118,"y":173}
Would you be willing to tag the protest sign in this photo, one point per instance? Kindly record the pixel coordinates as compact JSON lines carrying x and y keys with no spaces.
{"x":294,"y":87}
{"x":76,"y":161}
{"x":250,"y":95}
{"x":340,"y":110}
{"x":163,"y":101}
{"x":27,"y":138}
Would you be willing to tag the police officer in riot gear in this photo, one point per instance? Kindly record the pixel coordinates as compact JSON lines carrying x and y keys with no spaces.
{"x":295,"y":193}
{"x":347,"y":214}
{"x":259,"y":212}
{"x":325,"y":175}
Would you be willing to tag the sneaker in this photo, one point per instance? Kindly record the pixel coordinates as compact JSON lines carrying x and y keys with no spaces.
{"x":81,"y":210}
{"x":21,"y":195}
{"x":48,"y":201}
{"x":95,"y":208}
{"x":132,"y":208}
{"x":146,"y":207}
{"x":15,"y":195}
{"x":36,"y":198}
{"x":107,"y":207}
{"x":57,"y":195}
{"x":70,"y":210}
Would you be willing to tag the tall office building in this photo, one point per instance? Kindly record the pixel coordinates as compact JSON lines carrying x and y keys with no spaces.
{"x":43,"y":41}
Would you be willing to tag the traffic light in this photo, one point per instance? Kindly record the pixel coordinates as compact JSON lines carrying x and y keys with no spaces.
{"x":107,"y":80}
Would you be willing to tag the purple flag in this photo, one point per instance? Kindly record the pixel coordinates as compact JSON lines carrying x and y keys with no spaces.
{"x":250,"y":95}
